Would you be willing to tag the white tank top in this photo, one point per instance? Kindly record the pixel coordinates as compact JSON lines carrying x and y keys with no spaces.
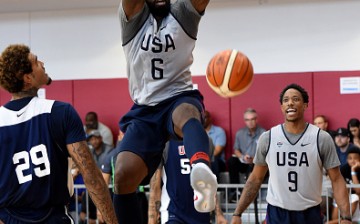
{"x":159,"y":56}
{"x":295,"y":180}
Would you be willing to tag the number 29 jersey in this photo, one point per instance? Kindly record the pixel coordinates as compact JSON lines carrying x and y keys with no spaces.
{"x":33,"y":155}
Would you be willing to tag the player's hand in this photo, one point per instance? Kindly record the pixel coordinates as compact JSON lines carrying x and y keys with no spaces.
{"x":220,"y":219}
{"x":236,"y":220}
{"x":345,"y":222}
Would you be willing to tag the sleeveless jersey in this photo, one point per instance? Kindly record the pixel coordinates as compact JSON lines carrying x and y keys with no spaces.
{"x":295,"y":170}
{"x":177,"y":195}
{"x":159,"y":56}
{"x":36,"y":166}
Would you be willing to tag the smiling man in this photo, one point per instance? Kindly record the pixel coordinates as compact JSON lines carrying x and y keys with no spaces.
{"x":295,"y":153}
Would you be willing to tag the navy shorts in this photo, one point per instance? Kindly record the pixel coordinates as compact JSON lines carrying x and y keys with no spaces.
{"x":57,"y":215}
{"x":148,"y":128}
{"x":276,"y":215}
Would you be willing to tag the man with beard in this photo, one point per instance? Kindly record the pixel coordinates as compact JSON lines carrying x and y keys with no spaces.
{"x":158,"y":39}
{"x":39,"y":139}
{"x":295,"y":154}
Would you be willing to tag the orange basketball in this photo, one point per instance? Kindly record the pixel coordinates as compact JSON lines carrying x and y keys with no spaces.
{"x":229,"y":73}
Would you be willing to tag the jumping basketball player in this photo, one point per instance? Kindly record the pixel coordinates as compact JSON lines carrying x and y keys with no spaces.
{"x":37,"y":139}
{"x":295,"y":153}
{"x":158,"y":39}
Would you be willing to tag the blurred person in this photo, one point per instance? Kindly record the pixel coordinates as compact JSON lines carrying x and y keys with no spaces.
{"x":294,"y":153}
{"x":322,"y":122}
{"x":171,"y":196}
{"x":92,"y":123}
{"x":39,"y":139}
{"x":158,"y":39}
{"x":351,"y":173}
{"x":342,"y":141}
{"x":218,"y":137}
{"x":245,"y":144}
{"x":354,"y":129}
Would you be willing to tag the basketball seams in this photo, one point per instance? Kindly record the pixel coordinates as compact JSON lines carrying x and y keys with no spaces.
{"x":229,"y":73}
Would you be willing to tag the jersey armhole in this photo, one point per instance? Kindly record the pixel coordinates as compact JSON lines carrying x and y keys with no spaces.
{"x":318,"y":146}
{"x":268,"y":147}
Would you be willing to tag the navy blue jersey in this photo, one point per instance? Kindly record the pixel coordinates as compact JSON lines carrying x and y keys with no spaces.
{"x":177,"y":201}
{"x":34,"y":159}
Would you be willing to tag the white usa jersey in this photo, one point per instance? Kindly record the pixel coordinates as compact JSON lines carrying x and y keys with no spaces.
{"x":159,"y":56}
{"x":295,"y":170}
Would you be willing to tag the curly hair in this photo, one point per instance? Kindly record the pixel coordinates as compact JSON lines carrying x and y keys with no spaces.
{"x":303,"y":92}
{"x":14,"y":64}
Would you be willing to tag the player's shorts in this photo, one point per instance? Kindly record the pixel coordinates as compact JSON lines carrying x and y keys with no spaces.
{"x":277,"y":215}
{"x":148,"y":128}
{"x":58,"y":215}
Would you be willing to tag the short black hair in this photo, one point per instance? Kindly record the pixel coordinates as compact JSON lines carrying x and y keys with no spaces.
{"x":303,"y":92}
{"x":353,"y":149}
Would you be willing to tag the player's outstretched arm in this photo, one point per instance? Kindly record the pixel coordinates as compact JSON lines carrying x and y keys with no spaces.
{"x":155,"y":197}
{"x":93,"y":180}
{"x":200,"y":5}
{"x":250,"y":191}
{"x":340,"y":192}
{"x":131,"y":7}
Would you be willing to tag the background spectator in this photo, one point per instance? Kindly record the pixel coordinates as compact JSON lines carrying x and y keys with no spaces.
{"x":92,"y":123}
{"x":218,"y":137}
{"x":354,"y":129}
{"x":342,"y":141}
{"x":244,"y":148}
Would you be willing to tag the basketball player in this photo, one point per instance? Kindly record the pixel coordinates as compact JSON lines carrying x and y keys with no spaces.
{"x":295,"y":153}
{"x":175,"y":194}
{"x":37,"y":139}
{"x":158,"y":39}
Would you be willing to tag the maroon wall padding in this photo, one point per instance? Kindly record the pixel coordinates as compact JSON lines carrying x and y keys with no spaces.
{"x":4,"y":96}
{"x":60,"y":91}
{"x":339,"y":108}
{"x":109,"y":98}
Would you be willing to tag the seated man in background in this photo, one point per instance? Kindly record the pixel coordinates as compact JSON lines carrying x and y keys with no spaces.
{"x":92,"y":123}
{"x":322,"y":122}
{"x":244,"y":149}
{"x":218,"y":137}
{"x":342,"y":141}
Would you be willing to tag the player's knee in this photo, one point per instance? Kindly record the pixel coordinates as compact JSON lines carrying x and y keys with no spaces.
{"x":183,"y":113}
{"x":129,"y":172}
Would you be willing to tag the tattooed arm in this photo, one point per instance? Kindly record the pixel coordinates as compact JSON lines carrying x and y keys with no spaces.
{"x":93,"y":180}
{"x":250,"y":191}
{"x":155,"y":197}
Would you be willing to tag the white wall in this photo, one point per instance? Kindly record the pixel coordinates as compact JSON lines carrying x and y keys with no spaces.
{"x":277,"y":35}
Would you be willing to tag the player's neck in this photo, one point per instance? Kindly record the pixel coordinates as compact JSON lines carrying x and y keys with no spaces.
{"x":24,"y":93}
{"x":295,"y":127}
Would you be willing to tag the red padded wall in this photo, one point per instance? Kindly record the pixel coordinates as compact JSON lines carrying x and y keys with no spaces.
{"x":339,"y":108}
{"x":109,"y":98}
